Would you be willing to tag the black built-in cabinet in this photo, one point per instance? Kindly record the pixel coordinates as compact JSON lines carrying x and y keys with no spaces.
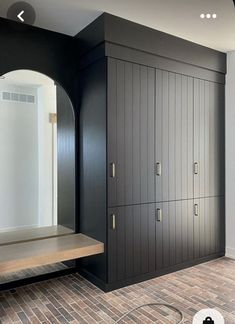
{"x":152,"y":152}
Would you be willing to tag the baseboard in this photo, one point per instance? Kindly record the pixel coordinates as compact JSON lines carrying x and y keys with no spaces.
{"x":131,"y":281}
{"x":230,"y":253}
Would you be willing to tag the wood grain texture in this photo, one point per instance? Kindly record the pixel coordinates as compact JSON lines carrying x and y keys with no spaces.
{"x":21,"y":235}
{"x":37,"y":253}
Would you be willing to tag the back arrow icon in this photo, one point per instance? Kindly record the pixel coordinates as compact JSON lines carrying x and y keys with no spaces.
{"x":20,"y":16}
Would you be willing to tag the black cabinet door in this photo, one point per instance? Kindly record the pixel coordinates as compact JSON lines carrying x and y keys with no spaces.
{"x":209,"y":226}
{"x":131,"y":241}
{"x":209,"y":139}
{"x":130,"y":133}
{"x":174,"y":233}
{"x":174,"y":136}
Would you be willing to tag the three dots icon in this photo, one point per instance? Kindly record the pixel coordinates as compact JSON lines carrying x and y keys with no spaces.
{"x":208,"y":16}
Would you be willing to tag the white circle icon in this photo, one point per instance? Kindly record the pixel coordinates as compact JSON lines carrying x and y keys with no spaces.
{"x":208,"y":316}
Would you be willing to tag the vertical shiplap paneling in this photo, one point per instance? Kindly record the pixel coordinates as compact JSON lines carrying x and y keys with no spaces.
{"x":207,"y":141}
{"x":217,"y":158}
{"x":217,"y":211}
{"x":220,"y":132}
{"x":128,"y":131}
{"x":212,"y":140}
{"x":203,"y":228}
{"x":189,"y":206}
{"x":165,"y":136}
{"x":221,"y":223}
{"x":179,"y":232}
{"x":151,"y":135}
{"x":112,"y":247}
{"x":190,"y":138}
{"x":180,"y":142}
{"x":201,"y":139}
{"x":135,"y":128}
{"x":136,"y":134}
{"x":166,"y":235}
{"x":208,"y":138}
{"x":175,"y":234}
{"x":151,"y":238}
{"x":217,"y":224}
{"x":131,"y":249}
{"x":129,"y":240}
{"x":159,"y":132}
{"x":205,"y":208}
{"x":172,"y":232}
{"x":209,"y":227}
{"x":172,"y":138}
{"x":143,"y":134}
{"x":196,"y":138}
{"x":112,"y":129}
{"x":120,"y":133}
{"x":187,"y":229}
{"x":196,"y":225}
{"x":137,"y":239}
{"x":121,"y":232}
{"x":144,"y":238}
{"x":185,"y":234}
{"x":214,"y":235}
{"x":159,"y":240}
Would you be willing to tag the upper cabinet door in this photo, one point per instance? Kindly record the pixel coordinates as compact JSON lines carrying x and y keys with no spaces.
{"x":174,"y":136}
{"x":209,"y":155}
{"x":131,"y":130}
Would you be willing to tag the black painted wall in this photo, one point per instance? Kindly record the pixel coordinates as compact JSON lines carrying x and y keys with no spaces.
{"x":28,"y":47}
{"x":55,"y":55}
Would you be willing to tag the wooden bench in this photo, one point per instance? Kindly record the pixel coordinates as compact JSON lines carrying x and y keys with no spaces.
{"x":41,"y":252}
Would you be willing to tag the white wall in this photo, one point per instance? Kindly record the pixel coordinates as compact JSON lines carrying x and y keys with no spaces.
{"x":19,"y":161}
{"x":230,"y":155}
{"x":47,"y":105}
{"x":26,"y":197}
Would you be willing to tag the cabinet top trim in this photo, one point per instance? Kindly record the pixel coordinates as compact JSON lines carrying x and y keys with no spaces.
{"x":109,"y":28}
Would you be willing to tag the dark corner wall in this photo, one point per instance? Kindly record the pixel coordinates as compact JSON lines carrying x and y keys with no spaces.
{"x":28,"y":47}
{"x":55,"y":55}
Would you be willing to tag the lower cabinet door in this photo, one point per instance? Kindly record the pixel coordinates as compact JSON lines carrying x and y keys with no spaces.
{"x":209,"y":226}
{"x":174,"y":233}
{"x":131,"y":241}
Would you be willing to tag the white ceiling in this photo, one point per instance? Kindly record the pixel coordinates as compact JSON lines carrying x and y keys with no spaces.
{"x":26,"y":78}
{"x":176,"y":17}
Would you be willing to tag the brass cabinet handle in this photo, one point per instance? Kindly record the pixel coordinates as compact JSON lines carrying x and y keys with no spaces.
{"x":196,"y":211}
{"x":113,"y":222}
{"x":158,"y":169}
{"x":159,"y":215}
{"x":196,"y":168}
{"x":112,"y":170}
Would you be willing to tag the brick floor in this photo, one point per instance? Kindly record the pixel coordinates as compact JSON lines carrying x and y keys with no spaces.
{"x":72,"y":299}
